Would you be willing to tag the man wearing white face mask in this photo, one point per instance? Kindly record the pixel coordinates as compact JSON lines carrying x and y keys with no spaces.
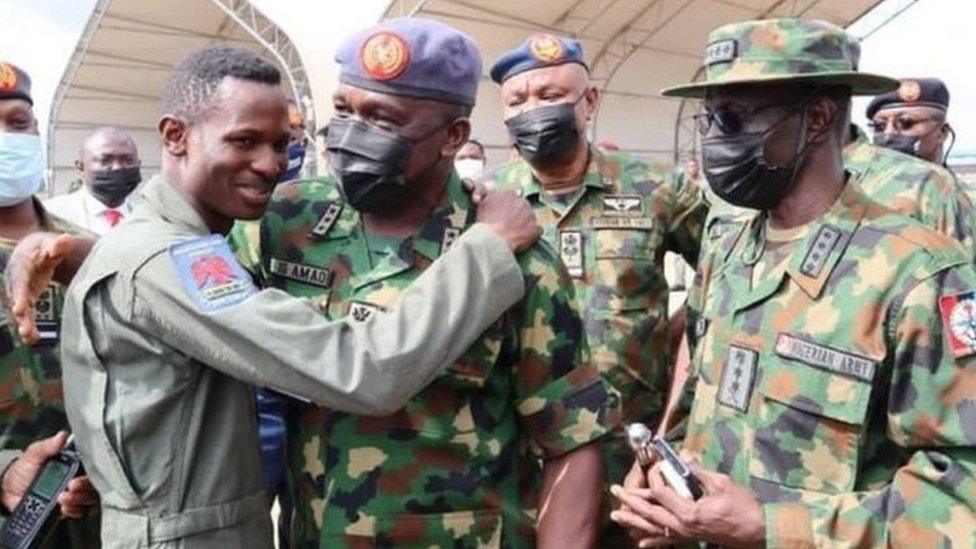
{"x":30,"y":377}
{"x":470,"y":161}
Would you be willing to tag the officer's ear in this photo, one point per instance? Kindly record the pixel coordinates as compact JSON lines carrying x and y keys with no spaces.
{"x":822,"y":117}
{"x":458,"y":132}
{"x":591,"y":97}
{"x":173,"y":130}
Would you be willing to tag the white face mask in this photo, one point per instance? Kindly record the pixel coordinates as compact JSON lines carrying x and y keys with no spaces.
{"x":470,"y":168}
{"x":21,"y":167}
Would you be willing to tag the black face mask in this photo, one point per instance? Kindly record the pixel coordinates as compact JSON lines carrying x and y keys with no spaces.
{"x":737,"y":172}
{"x":111,"y":187}
{"x":544,"y":134}
{"x":369,"y":163}
{"x":906,"y":144}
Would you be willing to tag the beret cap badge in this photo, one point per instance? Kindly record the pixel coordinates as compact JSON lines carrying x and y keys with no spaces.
{"x":546,"y":48}
{"x":385,"y":55}
{"x":909,"y":91}
{"x":8,"y":77}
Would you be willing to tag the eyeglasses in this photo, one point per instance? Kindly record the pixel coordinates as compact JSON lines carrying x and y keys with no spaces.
{"x":731,"y":120}
{"x":901,"y":124}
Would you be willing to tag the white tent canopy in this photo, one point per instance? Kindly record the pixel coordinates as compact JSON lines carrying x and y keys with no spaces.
{"x":634,"y":49}
{"x":127,"y":49}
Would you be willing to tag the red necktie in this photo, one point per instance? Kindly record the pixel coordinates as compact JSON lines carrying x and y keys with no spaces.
{"x":113,"y":217}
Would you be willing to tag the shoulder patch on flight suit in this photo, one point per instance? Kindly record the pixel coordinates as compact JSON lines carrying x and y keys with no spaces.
{"x":623,"y":204}
{"x":571,"y":252}
{"x":825,"y":358}
{"x":210,"y":273}
{"x":360,"y":311}
{"x":301,"y":272}
{"x":328,"y":219}
{"x":816,"y":256}
{"x":450,"y":235}
{"x":959,"y":322}
{"x":738,"y":377}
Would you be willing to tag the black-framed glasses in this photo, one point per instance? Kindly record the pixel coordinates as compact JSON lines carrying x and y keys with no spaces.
{"x":731,"y":120}
{"x":901,"y":123}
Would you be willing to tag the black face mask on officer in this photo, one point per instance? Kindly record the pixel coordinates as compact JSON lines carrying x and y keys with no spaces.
{"x":370,"y":163}
{"x":736,"y":169}
{"x":111,"y":187}
{"x":545,"y":134}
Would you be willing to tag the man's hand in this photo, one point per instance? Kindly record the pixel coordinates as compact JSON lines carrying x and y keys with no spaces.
{"x":727,"y":515}
{"x":510,"y":217}
{"x":636,"y":479}
{"x":31,"y":268}
{"x":77,"y":498}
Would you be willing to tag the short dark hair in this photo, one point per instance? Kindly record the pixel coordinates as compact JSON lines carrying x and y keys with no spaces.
{"x":192,"y":86}
{"x":476,"y":143}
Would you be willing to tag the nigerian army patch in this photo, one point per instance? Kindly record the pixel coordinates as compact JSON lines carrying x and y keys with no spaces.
{"x":824,"y":357}
{"x":638,"y":223}
{"x":738,"y":377}
{"x":959,"y":322}
{"x":210,"y":273}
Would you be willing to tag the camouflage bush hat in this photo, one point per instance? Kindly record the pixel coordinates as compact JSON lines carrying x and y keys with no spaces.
{"x":773,"y":51}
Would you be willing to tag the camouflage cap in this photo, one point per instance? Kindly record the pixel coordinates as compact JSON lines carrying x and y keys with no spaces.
{"x":775,"y":51}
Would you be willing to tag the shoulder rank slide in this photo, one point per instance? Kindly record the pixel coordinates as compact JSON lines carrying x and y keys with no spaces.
{"x":571,"y":252}
{"x":210,"y":273}
{"x":738,"y":376}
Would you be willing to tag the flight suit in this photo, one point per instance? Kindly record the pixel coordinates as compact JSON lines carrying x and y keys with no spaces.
{"x":165,"y":336}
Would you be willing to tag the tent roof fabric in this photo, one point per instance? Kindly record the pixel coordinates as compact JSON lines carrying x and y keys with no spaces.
{"x":122,"y":60}
{"x":634,"y":48}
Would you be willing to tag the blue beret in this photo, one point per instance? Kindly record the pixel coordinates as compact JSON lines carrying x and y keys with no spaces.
{"x":413,"y":57}
{"x":14,"y":83}
{"x":913,"y":92}
{"x":540,"y":50}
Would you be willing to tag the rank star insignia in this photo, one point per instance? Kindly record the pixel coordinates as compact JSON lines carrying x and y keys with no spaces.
{"x":546,"y":48}
{"x":959,"y":322}
{"x":737,"y":378}
{"x":328,"y":219}
{"x":571,"y":252}
{"x":385,"y":55}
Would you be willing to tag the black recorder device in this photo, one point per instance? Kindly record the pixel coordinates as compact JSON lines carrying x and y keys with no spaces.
{"x":37,"y":513}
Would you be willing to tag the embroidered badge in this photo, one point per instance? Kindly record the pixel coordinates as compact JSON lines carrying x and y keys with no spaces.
{"x":721,"y":51}
{"x":817,"y":255}
{"x":959,"y":322}
{"x":623,"y":204}
{"x":45,"y":317}
{"x":210,"y":273}
{"x":825,"y":358}
{"x":450,"y":235}
{"x":360,"y":311}
{"x":300,"y":272}
{"x":8,"y":77}
{"x":639,"y":223}
{"x":738,"y":377}
{"x":385,"y":55}
{"x":571,"y":252}
{"x":328,"y":219}
{"x":546,"y":48}
{"x":909,"y":91}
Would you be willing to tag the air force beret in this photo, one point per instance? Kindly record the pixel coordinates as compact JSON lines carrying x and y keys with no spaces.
{"x":14,"y":83}
{"x":538,"y":51}
{"x":913,"y":92}
{"x":412,"y":57}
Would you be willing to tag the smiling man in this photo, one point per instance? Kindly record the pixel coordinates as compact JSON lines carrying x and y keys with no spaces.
{"x":166,"y":333}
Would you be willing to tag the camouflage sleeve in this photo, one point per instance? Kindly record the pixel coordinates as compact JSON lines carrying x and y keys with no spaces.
{"x":688,"y":210}
{"x":245,"y":241}
{"x":931,"y":416}
{"x":561,"y":399}
{"x":950,"y":210}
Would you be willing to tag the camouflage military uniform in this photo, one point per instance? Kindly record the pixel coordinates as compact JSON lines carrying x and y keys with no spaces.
{"x":33,"y":405}
{"x":458,"y":464}
{"x":832,"y":388}
{"x":914,"y":187}
{"x":612,"y":238}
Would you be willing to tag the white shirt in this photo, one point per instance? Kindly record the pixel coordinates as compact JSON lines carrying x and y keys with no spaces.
{"x":84,"y":210}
